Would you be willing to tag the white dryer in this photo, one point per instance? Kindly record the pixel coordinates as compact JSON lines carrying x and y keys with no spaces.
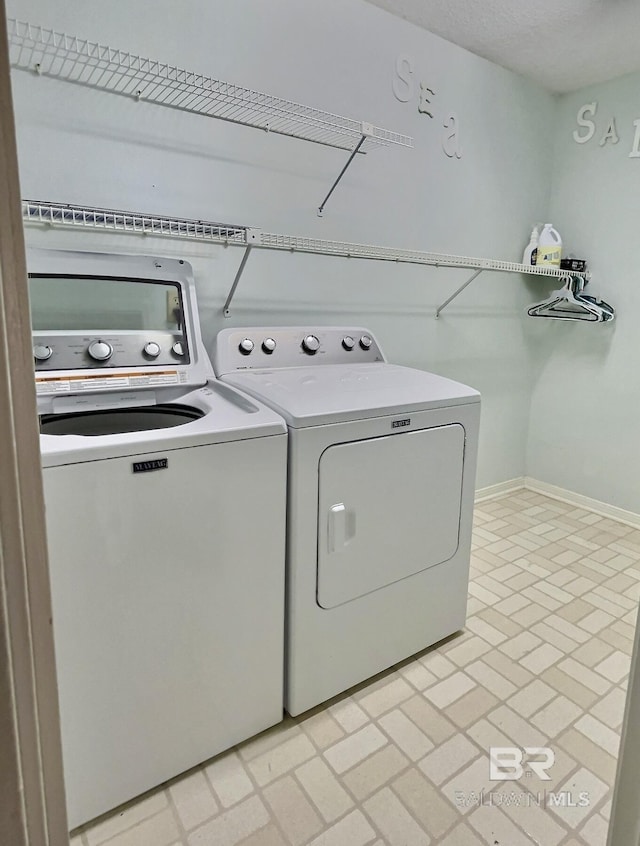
{"x":380,"y":498}
{"x":165,"y":505}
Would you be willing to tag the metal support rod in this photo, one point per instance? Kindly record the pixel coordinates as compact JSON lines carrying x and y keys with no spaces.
{"x":341,"y":174}
{"x":227,"y":304}
{"x":455,"y":294}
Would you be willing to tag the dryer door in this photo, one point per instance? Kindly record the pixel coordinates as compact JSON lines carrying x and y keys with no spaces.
{"x":389,"y":507}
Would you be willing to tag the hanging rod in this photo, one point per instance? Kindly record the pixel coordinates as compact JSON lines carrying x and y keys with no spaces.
{"x":110,"y":220}
{"x":87,"y":63}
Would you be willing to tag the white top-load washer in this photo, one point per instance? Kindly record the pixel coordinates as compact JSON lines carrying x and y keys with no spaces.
{"x":381,"y":484}
{"x":165,"y":505}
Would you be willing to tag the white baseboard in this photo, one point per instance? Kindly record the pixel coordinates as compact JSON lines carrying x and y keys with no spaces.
{"x":502,"y":488}
{"x":581,"y":501}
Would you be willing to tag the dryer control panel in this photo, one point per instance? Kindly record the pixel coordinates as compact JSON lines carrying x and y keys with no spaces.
{"x":252,"y":348}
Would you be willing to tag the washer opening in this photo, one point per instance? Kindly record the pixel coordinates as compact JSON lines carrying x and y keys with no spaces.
{"x":118,"y":421}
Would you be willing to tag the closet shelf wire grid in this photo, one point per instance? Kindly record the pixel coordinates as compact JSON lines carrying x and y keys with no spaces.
{"x":42,"y":212}
{"x":87,"y":63}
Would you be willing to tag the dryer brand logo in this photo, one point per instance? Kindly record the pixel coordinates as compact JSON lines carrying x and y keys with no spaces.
{"x":146,"y":466}
{"x":400,"y":424}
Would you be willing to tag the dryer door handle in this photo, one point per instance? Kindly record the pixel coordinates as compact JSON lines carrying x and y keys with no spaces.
{"x":337,"y":527}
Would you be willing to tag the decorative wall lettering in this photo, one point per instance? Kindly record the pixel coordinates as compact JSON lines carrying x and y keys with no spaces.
{"x":610,"y":134}
{"x":589,"y":125}
{"x":403,"y":88}
{"x":450,"y":139}
{"x":635,"y":150}
{"x":424,"y":102}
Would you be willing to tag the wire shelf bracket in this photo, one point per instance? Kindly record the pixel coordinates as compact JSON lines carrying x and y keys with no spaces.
{"x":47,"y":52}
{"x":111,"y":220}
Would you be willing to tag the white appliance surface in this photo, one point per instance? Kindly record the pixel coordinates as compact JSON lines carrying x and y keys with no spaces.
{"x":166,"y":545}
{"x":380,"y":499}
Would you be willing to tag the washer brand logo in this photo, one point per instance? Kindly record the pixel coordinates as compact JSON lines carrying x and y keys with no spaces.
{"x":399,"y":424}
{"x":146,"y":466}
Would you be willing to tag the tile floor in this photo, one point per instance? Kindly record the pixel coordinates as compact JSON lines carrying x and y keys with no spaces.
{"x":403,"y":760}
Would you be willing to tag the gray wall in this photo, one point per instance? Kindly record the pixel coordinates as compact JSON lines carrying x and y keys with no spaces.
{"x":83,"y":146}
{"x":583,"y":434}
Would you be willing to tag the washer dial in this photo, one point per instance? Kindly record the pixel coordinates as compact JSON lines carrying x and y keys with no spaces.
{"x":268,"y":345}
{"x":42,"y":352}
{"x":152,"y":349}
{"x":100,"y":350}
{"x":310,"y":344}
{"x":246,"y":346}
{"x":348,"y":343}
{"x":366,"y":341}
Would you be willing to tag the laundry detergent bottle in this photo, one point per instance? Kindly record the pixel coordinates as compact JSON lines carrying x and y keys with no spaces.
{"x":531,"y":250}
{"x":549,"y":247}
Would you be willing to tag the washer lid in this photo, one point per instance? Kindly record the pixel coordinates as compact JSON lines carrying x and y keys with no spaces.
{"x":314,"y":396}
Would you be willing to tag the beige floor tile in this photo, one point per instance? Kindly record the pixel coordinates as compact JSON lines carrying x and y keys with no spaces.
{"x":376,"y":771}
{"x":624,"y":644}
{"x":275,"y":736}
{"x":588,"y":754}
{"x":592,"y":652}
{"x":504,"y":624}
{"x":324,"y":789}
{"x":425,"y":802}
{"x":406,"y":734}
{"x":134,"y":814}
{"x":555,"y":717}
{"x":555,"y":637}
{"x":572,"y":689}
{"x":555,"y":621}
{"x":276,"y":762}
{"x":605,"y":810}
{"x":507,"y":668}
{"x":447,"y":691}
{"x":575,"y":611}
{"x":614,"y":608}
{"x":465,"y":788}
{"x":322,"y":729}
{"x":613,"y":596}
{"x":494,"y":826}
{"x":615,"y":667}
{"x":386,"y":697}
{"x":483,"y":594}
{"x":349,"y":715}
{"x":521,"y":732}
{"x":529,"y":615}
{"x":268,"y":836}
{"x":432,"y":722}
{"x":585,"y":676}
{"x":491,"y":679}
{"x":352,"y":829}
{"x":610,"y":709}
{"x":437,"y":664}
{"x":355,"y":748}
{"x":446,"y":759}
{"x":537,"y":822}
{"x":229,"y":779}
{"x":393,"y":820}
{"x":513,"y":603}
{"x":594,"y":831}
{"x":599,"y":733}
{"x":486,"y":735}
{"x":531,"y":698}
{"x":520,"y":645}
{"x":469,"y":707}
{"x":417,"y":675}
{"x":524,"y":580}
{"x":541,"y":658}
{"x":160,"y":830}
{"x":462,"y":835}
{"x":581,"y":782}
{"x":292,"y":811}
{"x":232,"y":826}
{"x":193,"y":799}
{"x":472,"y":649}
{"x":541,"y":598}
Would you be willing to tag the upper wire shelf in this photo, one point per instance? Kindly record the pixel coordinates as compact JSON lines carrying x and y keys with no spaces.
{"x":94,"y":65}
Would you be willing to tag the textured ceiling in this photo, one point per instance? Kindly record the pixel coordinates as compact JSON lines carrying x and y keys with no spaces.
{"x":562,"y":44}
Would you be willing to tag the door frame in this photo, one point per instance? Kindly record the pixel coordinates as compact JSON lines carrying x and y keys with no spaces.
{"x":32,"y":801}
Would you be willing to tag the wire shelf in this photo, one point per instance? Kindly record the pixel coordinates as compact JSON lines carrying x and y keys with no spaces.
{"x":94,"y":65}
{"x":34,"y":211}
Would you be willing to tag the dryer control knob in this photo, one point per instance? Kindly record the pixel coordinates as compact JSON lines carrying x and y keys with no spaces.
{"x":348,"y":343}
{"x":246,"y":346}
{"x":152,"y":349}
{"x":310,"y":344}
{"x":100,"y":350}
{"x":365,"y":342}
{"x":42,"y":352}
{"x":178,"y":349}
{"x":268,"y":345}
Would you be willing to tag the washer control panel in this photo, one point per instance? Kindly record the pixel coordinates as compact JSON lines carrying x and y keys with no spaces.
{"x":267,"y":347}
{"x":82,"y":351}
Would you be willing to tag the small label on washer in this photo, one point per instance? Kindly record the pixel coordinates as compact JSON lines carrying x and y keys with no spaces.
{"x":154,"y":464}
{"x":399,"y":424}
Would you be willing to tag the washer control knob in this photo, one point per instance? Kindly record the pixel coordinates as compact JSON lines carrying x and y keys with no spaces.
{"x":246,"y":346}
{"x":178,"y":349}
{"x":268,"y":345}
{"x":152,"y":349}
{"x":310,"y":344}
{"x":366,"y":341}
{"x":348,"y":343}
{"x":42,"y":352}
{"x":100,"y":350}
